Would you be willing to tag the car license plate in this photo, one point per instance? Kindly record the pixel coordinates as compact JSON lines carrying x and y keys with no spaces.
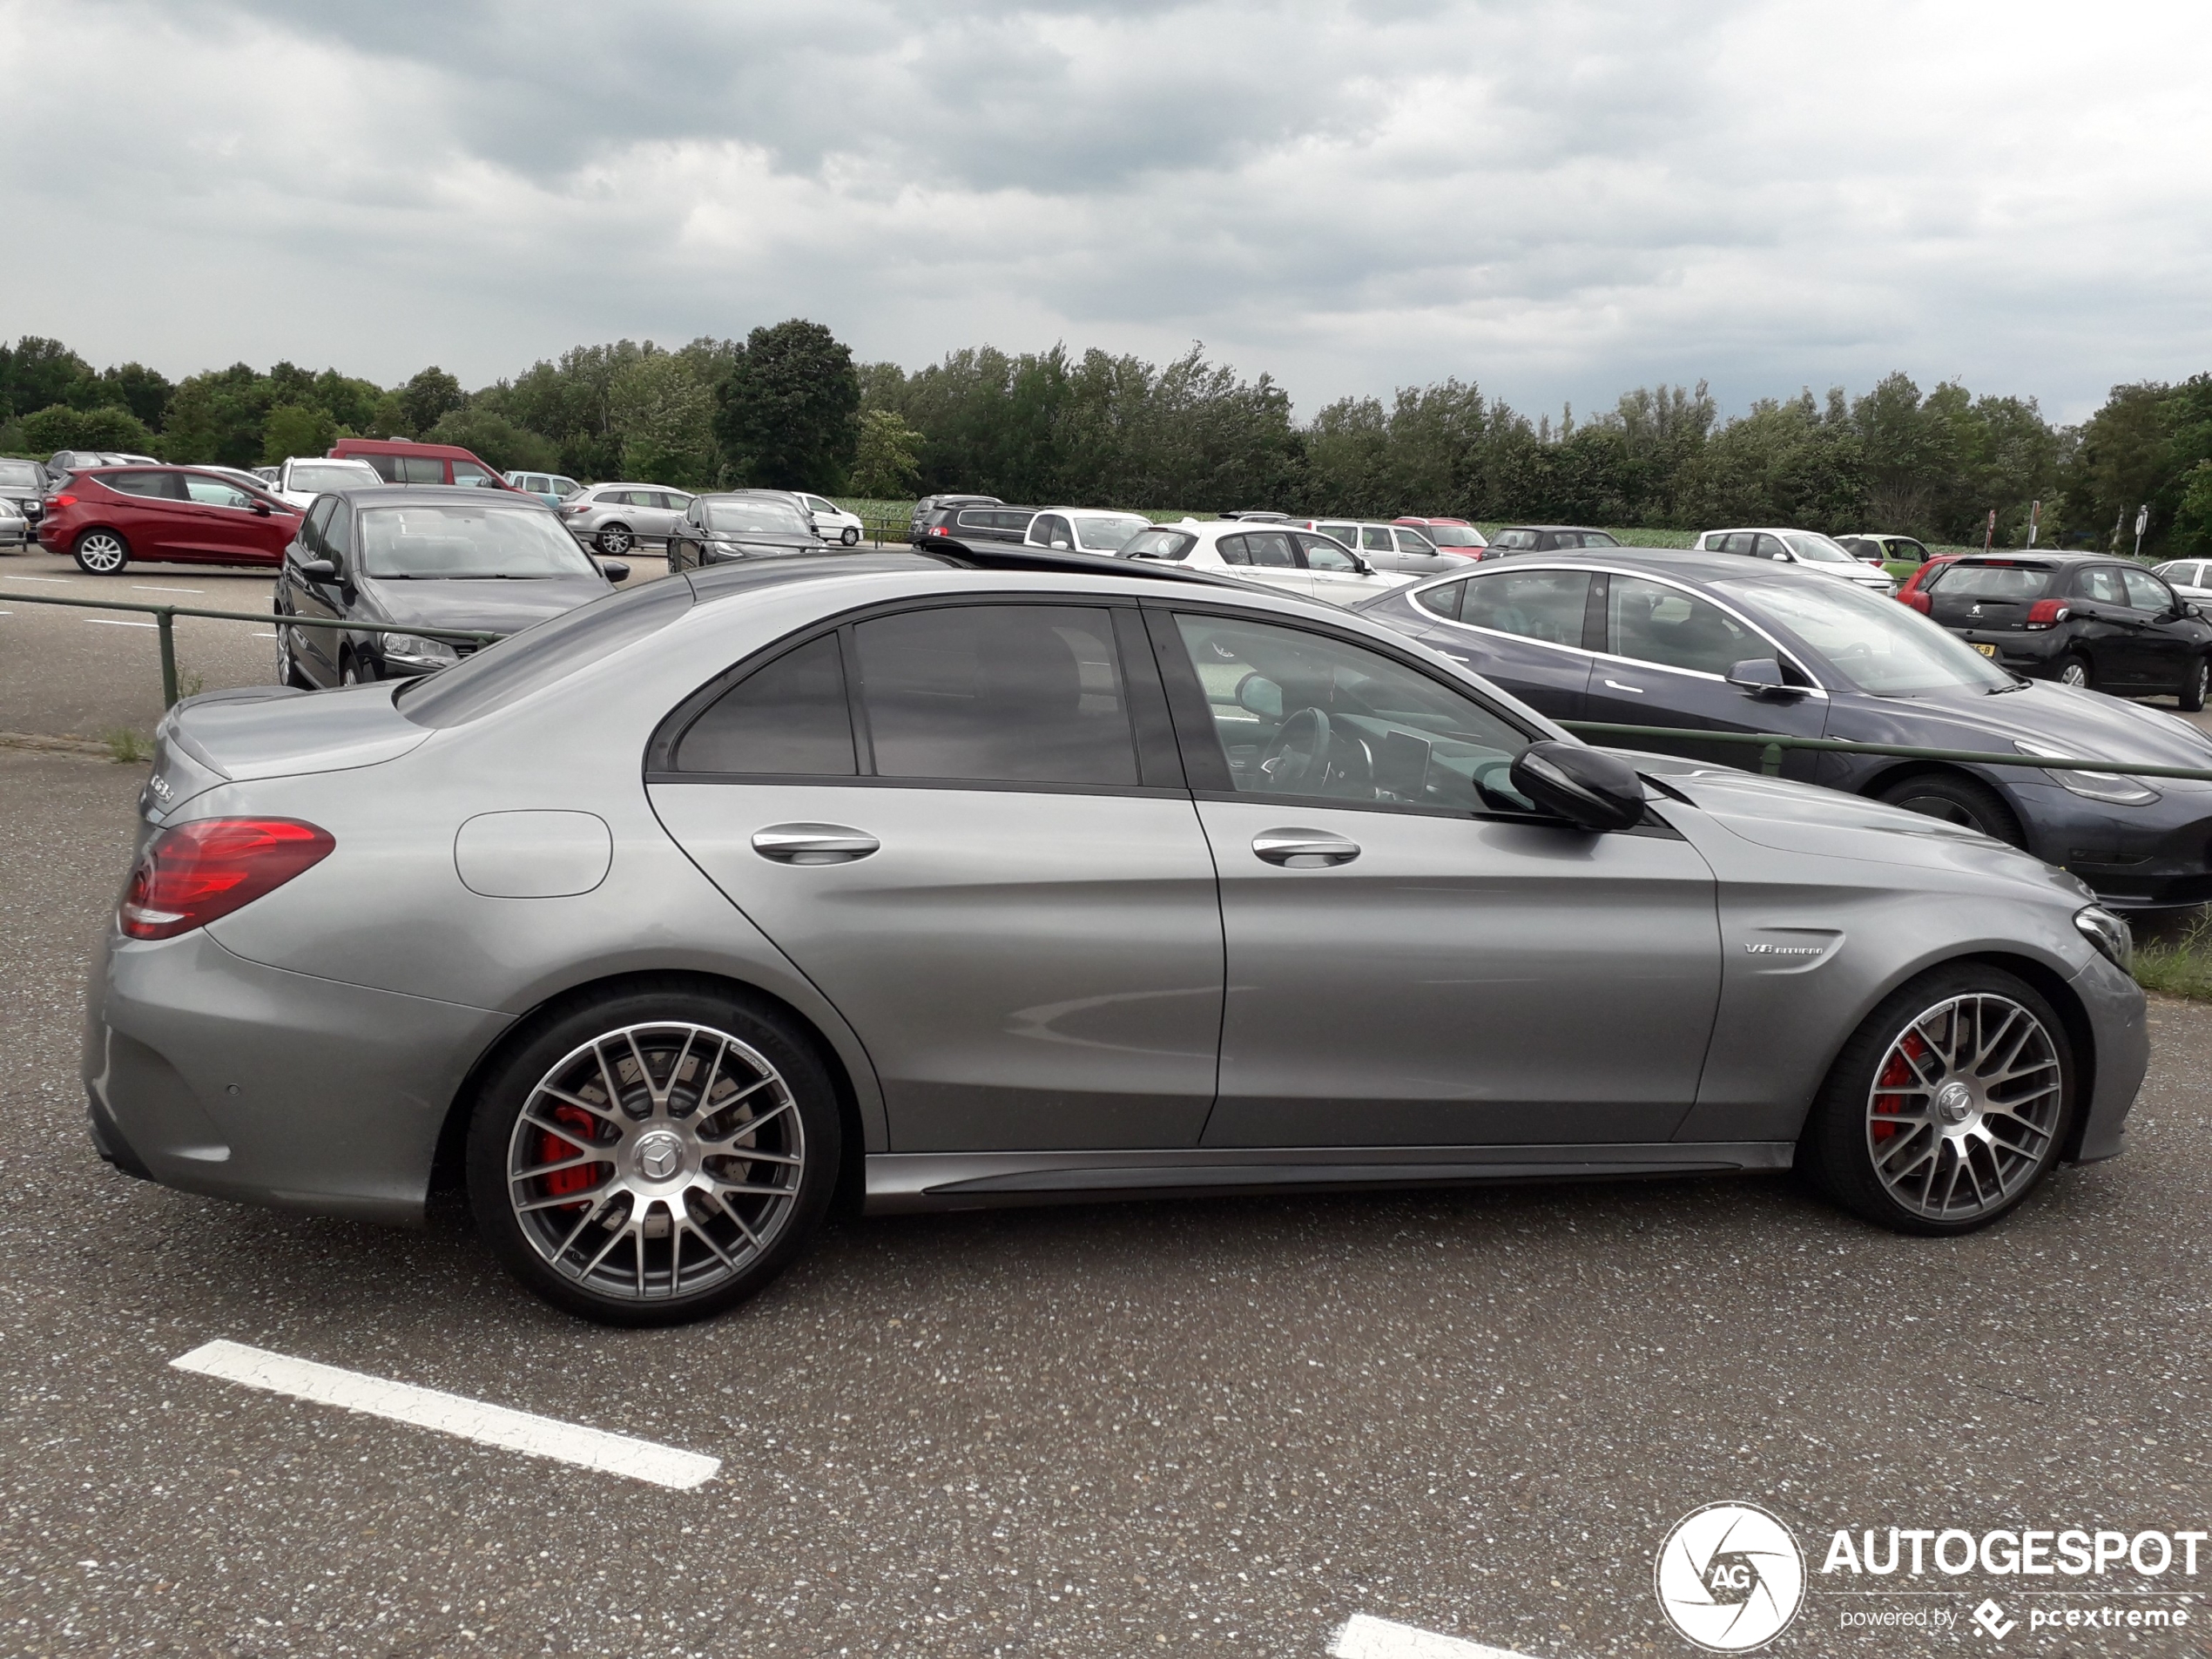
{"x":1986,"y":650}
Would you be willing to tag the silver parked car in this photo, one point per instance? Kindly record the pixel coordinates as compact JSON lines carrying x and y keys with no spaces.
{"x":659,"y":922}
{"x":614,"y":518}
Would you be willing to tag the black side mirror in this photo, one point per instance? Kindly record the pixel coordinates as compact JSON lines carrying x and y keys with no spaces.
{"x":319,"y":569}
{"x":1760,"y":676}
{"x":614,"y":570}
{"x":1585,"y":786}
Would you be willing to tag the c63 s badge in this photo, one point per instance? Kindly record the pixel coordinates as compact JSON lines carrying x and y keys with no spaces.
{"x":1729,"y":1577}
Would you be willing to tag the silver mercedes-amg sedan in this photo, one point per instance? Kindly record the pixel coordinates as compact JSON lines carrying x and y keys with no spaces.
{"x":660,"y":925}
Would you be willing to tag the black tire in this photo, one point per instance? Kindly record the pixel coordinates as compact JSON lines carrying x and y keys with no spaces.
{"x":850,"y":538}
{"x":101,"y":552}
{"x":615,"y":541}
{"x":761,"y":1050}
{"x":350,"y":671}
{"x":2195,"y":685}
{"x":2074,"y":669}
{"x":1957,"y":798}
{"x":1850,"y":1118}
{"x":288,"y":671}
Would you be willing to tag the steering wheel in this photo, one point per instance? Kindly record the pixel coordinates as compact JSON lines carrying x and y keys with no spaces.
{"x":1297,"y":761}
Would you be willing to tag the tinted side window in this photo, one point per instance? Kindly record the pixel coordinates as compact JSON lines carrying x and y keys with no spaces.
{"x":162,"y":486}
{"x":996,"y":693}
{"x":419,"y":469}
{"x":1656,"y":623}
{"x":1444,"y":600}
{"x":2146,"y":592}
{"x":1271,"y":547}
{"x":788,"y":717}
{"x":338,"y":531}
{"x":318,"y":522}
{"x":1534,"y":604}
{"x":387,"y":468}
{"x":2101,"y":585}
{"x":1233,"y":550}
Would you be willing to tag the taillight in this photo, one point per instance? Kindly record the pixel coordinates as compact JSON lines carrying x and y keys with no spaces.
{"x":64,"y":501}
{"x":939,"y":531}
{"x":2044,"y":612}
{"x":1918,"y":601}
{"x":190,"y":876}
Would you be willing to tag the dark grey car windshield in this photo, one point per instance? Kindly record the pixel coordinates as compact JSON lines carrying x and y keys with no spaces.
{"x":444,"y":542}
{"x":535,"y":659}
{"x":1881,"y":645}
{"x":16,"y":474}
{"x":762,"y":517}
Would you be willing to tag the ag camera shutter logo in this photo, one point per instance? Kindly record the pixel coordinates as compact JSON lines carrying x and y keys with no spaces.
{"x":1729,"y":1577}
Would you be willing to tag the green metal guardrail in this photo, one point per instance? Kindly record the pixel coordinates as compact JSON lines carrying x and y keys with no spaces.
{"x":1771,"y":744}
{"x":165,"y":619}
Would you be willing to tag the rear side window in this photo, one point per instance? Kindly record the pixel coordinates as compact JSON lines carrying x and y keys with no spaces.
{"x":387,"y":469}
{"x":419,"y":469}
{"x":1533,"y":605}
{"x":1375,"y":538}
{"x":1270,"y":548}
{"x":789,"y":717}
{"x":1443,"y":600}
{"x":996,"y":693}
{"x":1991,"y":581}
{"x":160,"y":486}
{"x":528,"y":661}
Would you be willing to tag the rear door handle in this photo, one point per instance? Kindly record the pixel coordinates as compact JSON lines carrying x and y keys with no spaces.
{"x":812,"y":843}
{"x":1616,"y":685}
{"x":1303,"y":849}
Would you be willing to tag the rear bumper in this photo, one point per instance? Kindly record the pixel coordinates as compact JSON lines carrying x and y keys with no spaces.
{"x":219,"y":1076}
{"x":2113,"y":1004}
{"x":2032,"y":654}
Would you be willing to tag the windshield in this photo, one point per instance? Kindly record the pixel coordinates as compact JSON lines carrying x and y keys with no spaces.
{"x":756,"y":516}
{"x":1106,"y":534}
{"x":1818,"y":549}
{"x":1992,"y":581}
{"x":331,"y":475}
{"x":1158,"y":544}
{"x":1453,"y":535}
{"x":1881,"y":645}
{"x":448,"y":543}
{"x":18,"y":472}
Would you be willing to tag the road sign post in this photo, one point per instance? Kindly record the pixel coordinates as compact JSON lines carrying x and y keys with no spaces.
{"x":2143,"y":522}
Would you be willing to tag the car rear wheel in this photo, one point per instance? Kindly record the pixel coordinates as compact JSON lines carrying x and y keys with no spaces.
{"x":287,"y":669}
{"x":2074,"y":670}
{"x":101,"y":552}
{"x":1958,"y":800}
{"x":1947,"y":1106}
{"x":615,"y":540}
{"x":654,"y":1155}
{"x":2195,"y":684}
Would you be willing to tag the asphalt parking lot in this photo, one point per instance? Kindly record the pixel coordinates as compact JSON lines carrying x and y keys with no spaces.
{"x":1227,"y":1426}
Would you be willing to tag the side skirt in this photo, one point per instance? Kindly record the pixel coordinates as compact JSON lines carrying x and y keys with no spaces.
{"x":900,"y":1183}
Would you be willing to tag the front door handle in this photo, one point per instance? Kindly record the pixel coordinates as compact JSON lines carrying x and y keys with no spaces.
{"x":1616,"y":685}
{"x":812,"y":843}
{"x":1303,"y":849}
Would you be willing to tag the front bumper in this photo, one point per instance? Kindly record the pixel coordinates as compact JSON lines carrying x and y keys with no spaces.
{"x":2119,"y":1032}
{"x":2155,"y":856}
{"x":219,"y":1076}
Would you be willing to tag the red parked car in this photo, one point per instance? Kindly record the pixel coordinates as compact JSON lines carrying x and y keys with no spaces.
{"x":400,"y":461}
{"x":1911,"y":593}
{"x":107,"y":517}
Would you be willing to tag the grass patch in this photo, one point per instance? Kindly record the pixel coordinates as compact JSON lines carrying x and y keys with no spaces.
{"x":2181,"y":965}
{"x":126,"y":746}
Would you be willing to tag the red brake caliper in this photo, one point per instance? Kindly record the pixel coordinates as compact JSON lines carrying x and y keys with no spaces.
{"x":1897,"y":1075}
{"x":553,"y":1150}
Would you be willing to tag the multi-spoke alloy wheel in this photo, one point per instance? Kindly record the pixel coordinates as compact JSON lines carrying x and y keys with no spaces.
{"x":654,"y":1157}
{"x":656,"y":1160}
{"x":1947,"y":1106}
{"x":1964,"y":1109}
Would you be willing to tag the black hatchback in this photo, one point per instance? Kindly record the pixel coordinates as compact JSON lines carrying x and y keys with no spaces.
{"x":2079,"y":618}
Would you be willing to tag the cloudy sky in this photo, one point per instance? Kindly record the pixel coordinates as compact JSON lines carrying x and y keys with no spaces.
{"x":1558,"y":198}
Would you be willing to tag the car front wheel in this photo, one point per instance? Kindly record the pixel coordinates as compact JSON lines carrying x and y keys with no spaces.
{"x":101,"y":552}
{"x":1947,"y":1105}
{"x":850,"y":535}
{"x":2195,"y":684}
{"x":655,"y":1154}
{"x":1958,"y":800}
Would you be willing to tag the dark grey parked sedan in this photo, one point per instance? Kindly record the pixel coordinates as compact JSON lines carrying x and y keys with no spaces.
{"x":1649,"y":637}
{"x":658,"y":924}
{"x":439,"y":557}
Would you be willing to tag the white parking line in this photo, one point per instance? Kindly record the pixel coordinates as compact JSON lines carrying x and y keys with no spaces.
{"x":1362,"y":1637}
{"x":111,"y":622}
{"x":265,"y":633}
{"x":58,"y":580}
{"x":148,"y":587}
{"x":472,"y":1419}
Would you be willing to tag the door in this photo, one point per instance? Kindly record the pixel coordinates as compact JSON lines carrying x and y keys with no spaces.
{"x":2107,"y":628}
{"x":1271,"y":558}
{"x":155,"y":515}
{"x":1522,"y":629}
{"x":315,"y":649}
{"x":1013,"y":909}
{"x":1414,"y":958}
{"x":229,"y":527}
{"x":1669,"y":650}
{"x":2167,"y":641}
{"x":1337,"y":577}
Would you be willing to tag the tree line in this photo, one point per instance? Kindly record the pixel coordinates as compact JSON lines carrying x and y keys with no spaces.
{"x":788,"y":407}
